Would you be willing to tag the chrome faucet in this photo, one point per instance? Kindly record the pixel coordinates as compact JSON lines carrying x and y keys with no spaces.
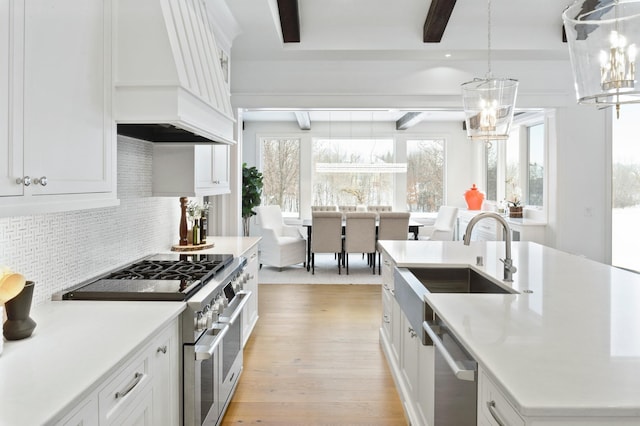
{"x":509,"y":268}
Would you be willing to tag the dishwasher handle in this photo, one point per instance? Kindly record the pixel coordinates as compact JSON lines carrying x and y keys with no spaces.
{"x":460,"y":373}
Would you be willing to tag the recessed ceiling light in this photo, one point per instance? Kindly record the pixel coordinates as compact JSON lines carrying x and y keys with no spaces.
{"x":447,"y":55}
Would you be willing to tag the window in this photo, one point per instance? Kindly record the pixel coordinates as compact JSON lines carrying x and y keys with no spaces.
{"x":625,"y":215}
{"x":535,"y":185}
{"x":491,"y":155}
{"x":353,"y":171}
{"x":281,"y":173}
{"x":512,"y":169}
{"x":425,"y":175}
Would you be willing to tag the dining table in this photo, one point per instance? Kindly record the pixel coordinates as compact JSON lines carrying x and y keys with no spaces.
{"x":308,"y":223}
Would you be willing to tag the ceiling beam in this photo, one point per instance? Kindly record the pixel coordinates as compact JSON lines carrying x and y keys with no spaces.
{"x":289,"y":20}
{"x":409,"y":120}
{"x":437,"y":20}
{"x":304,"y":121}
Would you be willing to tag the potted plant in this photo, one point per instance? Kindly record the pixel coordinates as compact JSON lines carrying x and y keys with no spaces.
{"x":251,"y":192}
{"x":515,"y":206}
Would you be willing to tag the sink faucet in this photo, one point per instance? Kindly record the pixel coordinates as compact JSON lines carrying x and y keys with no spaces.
{"x":509,"y":269}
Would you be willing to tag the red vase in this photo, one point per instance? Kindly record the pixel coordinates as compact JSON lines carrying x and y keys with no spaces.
{"x":474,"y":198}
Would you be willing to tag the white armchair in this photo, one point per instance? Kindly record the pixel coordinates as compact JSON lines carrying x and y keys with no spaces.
{"x":444,"y":227}
{"x":281,"y":244}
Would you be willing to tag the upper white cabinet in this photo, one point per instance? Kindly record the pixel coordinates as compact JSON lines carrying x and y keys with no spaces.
{"x":62,"y":150}
{"x":182,"y":170}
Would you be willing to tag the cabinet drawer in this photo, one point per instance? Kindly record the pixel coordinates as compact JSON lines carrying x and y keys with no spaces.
{"x":119,"y":393}
{"x":502,"y":409}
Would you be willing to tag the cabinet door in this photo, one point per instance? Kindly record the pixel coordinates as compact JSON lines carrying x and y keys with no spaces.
{"x":250,"y":312}
{"x":68,"y":130}
{"x":85,"y":414}
{"x":165,"y":363}
{"x":409,"y":356}
{"x":221,"y":167}
{"x":11,"y":97}
{"x":212,"y":169}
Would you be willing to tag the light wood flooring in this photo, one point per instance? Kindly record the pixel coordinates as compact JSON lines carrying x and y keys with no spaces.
{"x":314,"y":359}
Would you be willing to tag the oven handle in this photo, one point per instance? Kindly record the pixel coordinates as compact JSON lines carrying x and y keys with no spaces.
{"x":207,"y":352}
{"x":232,"y":318}
{"x":460,"y":373}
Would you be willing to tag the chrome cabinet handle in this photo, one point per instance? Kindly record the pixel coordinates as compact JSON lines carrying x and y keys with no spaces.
{"x":386,"y":319}
{"x":412,"y":333}
{"x":40,"y":181}
{"x":491,"y":405}
{"x":136,"y":379}
{"x":26,"y":181}
{"x":162,"y":349}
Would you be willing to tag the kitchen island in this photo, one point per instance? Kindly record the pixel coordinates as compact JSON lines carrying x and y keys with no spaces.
{"x":564,"y":350}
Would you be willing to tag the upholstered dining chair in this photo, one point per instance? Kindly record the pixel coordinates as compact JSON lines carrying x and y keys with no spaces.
{"x":281,"y":245}
{"x":346,"y":209}
{"x":360,"y":236}
{"x":378,"y":209}
{"x":392,"y":226}
{"x":324,"y":208}
{"x":444,"y":227}
{"x":326,"y":236}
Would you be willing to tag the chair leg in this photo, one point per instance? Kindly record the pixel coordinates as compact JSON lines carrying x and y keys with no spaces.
{"x":373,"y":259}
{"x":379,"y":265}
{"x":313,"y":263}
{"x":347,"y":260}
{"x":339,"y":256}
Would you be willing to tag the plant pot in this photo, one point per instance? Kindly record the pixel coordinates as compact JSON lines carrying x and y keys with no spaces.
{"x":19,"y":325}
{"x":515,"y":212}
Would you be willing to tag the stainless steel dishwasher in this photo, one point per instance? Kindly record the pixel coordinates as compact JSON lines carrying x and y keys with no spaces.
{"x":456,"y":378}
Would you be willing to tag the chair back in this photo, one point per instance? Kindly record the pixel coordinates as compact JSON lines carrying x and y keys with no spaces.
{"x":393,"y":225}
{"x":360,"y":232}
{"x":326,"y":232}
{"x":378,"y":209}
{"x":324,"y":208}
{"x":270,"y":217}
{"x":444,"y":225}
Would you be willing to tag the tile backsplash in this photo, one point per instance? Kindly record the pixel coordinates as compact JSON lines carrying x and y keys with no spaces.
{"x":59,"y":250}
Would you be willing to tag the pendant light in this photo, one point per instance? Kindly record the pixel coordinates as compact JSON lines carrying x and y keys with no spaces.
{"x":489,"y":102}
{"x":603,"y":37}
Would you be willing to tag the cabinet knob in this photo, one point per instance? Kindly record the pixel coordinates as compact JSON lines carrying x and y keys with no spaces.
{"x":40,"y":181}
{"x":26,"y":181}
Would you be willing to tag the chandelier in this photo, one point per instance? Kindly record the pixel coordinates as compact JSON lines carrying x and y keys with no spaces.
{"x":603,"y":38}
{"x":489,"y":102}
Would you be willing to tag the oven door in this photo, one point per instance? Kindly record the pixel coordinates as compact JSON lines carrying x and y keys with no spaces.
{"x":202,"y":373}
{"x":231,"y":357}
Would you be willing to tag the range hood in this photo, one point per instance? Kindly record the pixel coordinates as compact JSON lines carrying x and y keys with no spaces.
{"x":169,"y":84}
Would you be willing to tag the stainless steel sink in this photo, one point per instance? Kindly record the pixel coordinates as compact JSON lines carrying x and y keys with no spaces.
{"x":411,"y":284}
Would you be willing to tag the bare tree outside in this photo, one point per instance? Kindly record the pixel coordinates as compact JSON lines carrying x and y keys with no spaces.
{"x":281,"y":173}
{"x":425,"y":175}
{"x":352,"y":171}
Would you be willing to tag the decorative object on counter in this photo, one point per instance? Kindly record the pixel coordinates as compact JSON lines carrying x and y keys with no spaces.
{"x":183,"y":222}
{"x":603,"y":40}
{"x":515,"y":204}
{"x":489,"y":102}
{"x":19,"y":324}
{"x":474,"y":198}
{"x":251,"y":192}
{"x":195,"y":233}
{"x":204,"y":214}
{"x":11,"y":284}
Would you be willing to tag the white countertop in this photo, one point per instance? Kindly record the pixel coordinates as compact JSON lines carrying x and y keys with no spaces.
{"x":228,"y":245}
{"x":572,"y":347}
{"x":74,"y":347}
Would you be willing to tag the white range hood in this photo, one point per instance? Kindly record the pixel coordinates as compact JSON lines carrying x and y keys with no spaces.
{"x":168,"y":79}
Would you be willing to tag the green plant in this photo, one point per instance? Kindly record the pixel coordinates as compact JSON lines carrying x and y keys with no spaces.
{"x":251,"y":192}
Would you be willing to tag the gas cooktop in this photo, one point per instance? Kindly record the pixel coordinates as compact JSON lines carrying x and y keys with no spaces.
{"x":157,"y":277}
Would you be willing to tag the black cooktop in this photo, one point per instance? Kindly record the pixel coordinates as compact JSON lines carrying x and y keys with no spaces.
{"x":157,"y":277}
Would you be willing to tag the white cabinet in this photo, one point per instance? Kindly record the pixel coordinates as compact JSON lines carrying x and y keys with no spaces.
{"x":186,"y":170}
{"x":250,"y":312}
{"x":144,"y":390}
{"x":64,"y":142}
{"x":485,"y":230}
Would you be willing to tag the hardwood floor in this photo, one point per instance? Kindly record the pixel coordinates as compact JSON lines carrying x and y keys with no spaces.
{"x":314,"y":359}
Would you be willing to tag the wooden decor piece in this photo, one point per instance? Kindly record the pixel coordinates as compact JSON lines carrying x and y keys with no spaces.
{"x":191,"y":247}
{"x":183,"y":222}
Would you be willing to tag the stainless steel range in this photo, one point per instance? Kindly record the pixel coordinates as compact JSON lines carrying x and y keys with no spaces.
{"x":211,"y":325}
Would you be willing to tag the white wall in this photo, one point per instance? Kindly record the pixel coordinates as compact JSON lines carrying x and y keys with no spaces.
{"x":62,"y":249}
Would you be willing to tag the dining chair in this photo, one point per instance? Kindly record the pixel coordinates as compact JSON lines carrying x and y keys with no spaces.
{"x":444,"y":226}
{"x":326,"y":235}
{"x":392,"y":226}
{"x":281,"y":244}
{"x":360,"y":237}
{"x":346,"y":209}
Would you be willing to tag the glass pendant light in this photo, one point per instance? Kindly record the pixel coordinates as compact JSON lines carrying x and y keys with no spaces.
{"x":489,"y":102}
{"x":603,"y":37}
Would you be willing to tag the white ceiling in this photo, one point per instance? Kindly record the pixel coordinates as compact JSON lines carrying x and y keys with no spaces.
{"x":386,"y":29}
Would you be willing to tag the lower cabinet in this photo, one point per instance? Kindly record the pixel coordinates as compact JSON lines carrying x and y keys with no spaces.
{"x":250,"y":312}
{"x":143,"y":391}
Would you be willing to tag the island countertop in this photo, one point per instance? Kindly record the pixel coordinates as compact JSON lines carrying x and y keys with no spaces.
{"x":567,"y":345}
